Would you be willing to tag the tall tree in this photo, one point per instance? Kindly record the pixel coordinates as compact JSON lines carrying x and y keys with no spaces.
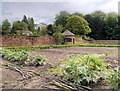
{"x":6,"y":27}
{"x":31,"y":24}
{"x":58,"y":28}
{"x":50,"y":29}
{"x":61,"y":18}
{"x":111,"y":25}
{"x":78,"y":14}
{"x":78,"y":25}
{"x":96,"y":23}
{"x":25,"y":19}
{"x":18,"y":26}
{"x":23,"y":26}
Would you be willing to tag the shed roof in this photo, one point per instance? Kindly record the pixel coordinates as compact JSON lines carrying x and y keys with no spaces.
{"x":67,"y":32}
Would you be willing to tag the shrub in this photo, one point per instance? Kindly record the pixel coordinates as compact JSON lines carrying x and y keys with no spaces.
{"x":15,"y":55}
{"x":84,"y":69}
{"x":22,"y":57}
{"x":114,"y":79}
{"x":59,"y":37}
{"x":40,"y":60}
{"x":87,"y":38}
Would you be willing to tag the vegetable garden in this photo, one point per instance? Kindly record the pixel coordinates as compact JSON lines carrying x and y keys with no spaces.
{"x":71,"y":68}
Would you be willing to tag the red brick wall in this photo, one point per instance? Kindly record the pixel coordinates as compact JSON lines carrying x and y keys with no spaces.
{"x":114,"y":42}
{"x":79,"y":40}
{"x":43,"y":40}
{"x":10,"y":40}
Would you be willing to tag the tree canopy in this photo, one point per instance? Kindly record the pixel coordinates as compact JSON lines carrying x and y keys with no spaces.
{"x":6,"y":27}
{"x":96,"y":25}
{"x":61,"y":18}
{"x":78,"y":25}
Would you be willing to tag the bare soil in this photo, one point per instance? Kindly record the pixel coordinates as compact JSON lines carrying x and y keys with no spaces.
{"x":14,"y":80}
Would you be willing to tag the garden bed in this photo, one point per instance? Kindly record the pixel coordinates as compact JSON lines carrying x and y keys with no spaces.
{"x":55,"y":56}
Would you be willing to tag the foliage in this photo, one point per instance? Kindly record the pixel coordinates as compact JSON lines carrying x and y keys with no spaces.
{"x":84,"y":69}
{"x":43,"y":31}
{"x":13,"y":55}
{"x":59,"y":37}
{"x":28,"y":48}
{"x":6,"y":27}
{"x":50,"y":29}
{"x":18,"y":27}
{"x":78,"y":25}
{"x":103,"y":26}
{"x":96,"y":23}
{"x":31,"y":24}
{"x":77,"y":14}
{"x":86,"y":38}
{"x":111,"y":26}
{"x":114,"y":79}
{"x":58,"y":28}
{"x":40,"y":60}
{"x":25,"y":19}
{"x":22,"y":57}
{"x":61,"y":18}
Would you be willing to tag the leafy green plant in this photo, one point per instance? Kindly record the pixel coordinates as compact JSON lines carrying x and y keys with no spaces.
{"x":22,"y":57}
{"x":114,"y":79}
{"x":84,"y":69}
{"x":13,"y":55}
{"x":40,"y":60}
{"x":59,"y":37}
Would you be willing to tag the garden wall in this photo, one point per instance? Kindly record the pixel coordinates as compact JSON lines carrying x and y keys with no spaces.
{"x":10,"y":40}
{"x":79,"y":40}
{"x":113,"y":42}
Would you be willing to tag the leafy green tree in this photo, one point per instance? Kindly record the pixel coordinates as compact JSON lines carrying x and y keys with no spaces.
{"x":0,"y":29}
{"x":118,"y":19}
{"x":58,"y":28}
{"x":111,"y":25}
{"x":31,"y":24}
{"x":23,"y":26}
{"x":59,"y":37}
{"x":43,"y":31}
{"x":18,"y":27}
{"x":61,"y":18}
{"x":6,"y":27}
{"x":50,"y":29}
{"x":78,"y":14}
{"x":96,"y":23}
{"x":78,"y":25}
{"x":25,"y":19}
{"x":38,"y":30}
{"x":98,"y":13}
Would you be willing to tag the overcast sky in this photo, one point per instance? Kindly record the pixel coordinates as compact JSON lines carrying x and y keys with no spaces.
{"x":45,"y":11}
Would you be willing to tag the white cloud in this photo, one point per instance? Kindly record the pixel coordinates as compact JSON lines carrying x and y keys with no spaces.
{"x":46,"y":11}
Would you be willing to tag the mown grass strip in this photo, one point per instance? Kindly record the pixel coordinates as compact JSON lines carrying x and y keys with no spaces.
{"x":60,"y":46}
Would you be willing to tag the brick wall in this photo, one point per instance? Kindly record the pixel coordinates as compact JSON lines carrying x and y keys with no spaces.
{"x":79,"y":40}
{"x":10,"y":40}
{"x":114,"y":42}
